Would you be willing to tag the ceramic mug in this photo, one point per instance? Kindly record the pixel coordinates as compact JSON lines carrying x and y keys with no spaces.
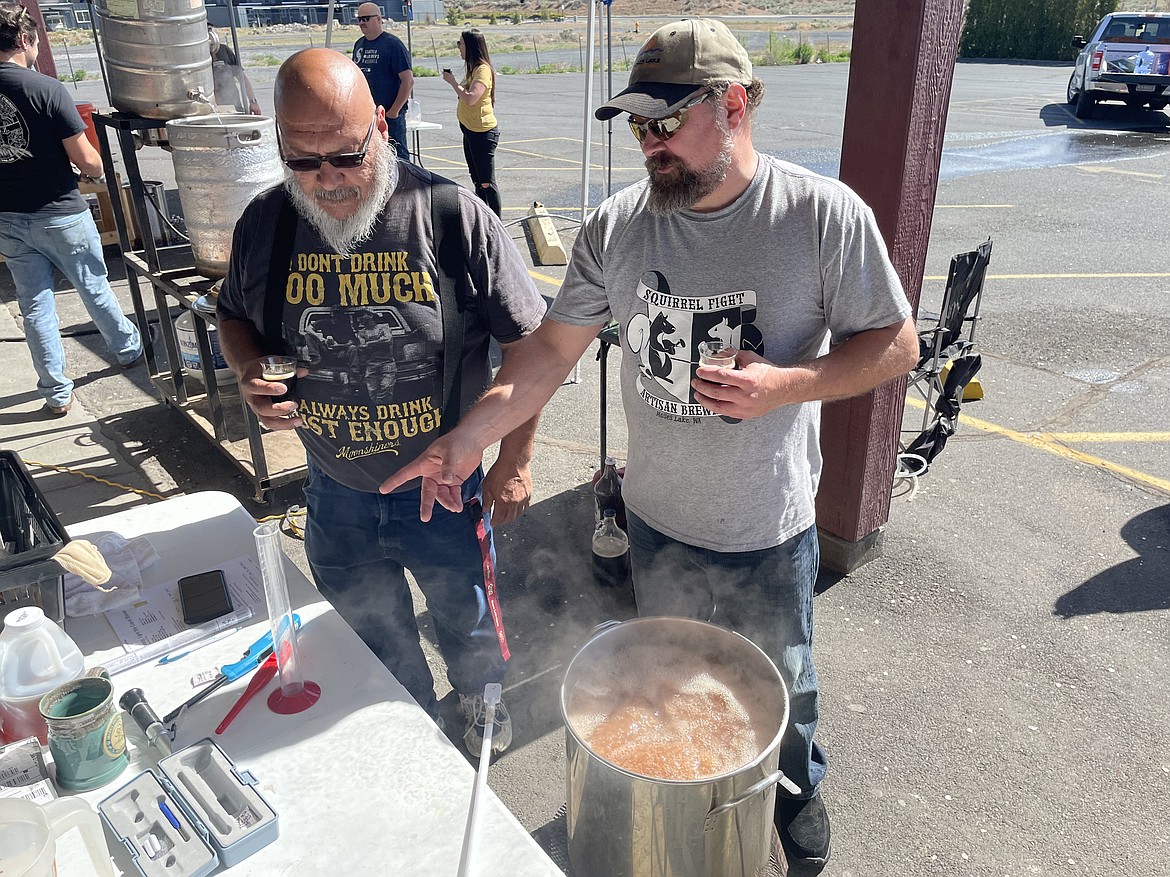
{"x":28,"y":835}
{"x":86,"y":737}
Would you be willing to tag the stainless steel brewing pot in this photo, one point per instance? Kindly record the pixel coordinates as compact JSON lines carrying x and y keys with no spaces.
{"x":221,"y":163}
{"x":156,"y":57}
{"x":622,"y":824}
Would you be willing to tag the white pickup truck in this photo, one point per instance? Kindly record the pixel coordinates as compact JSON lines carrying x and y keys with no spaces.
{"x":1127,"y":59}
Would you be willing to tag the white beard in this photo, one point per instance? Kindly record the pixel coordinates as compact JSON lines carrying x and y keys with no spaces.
{"x":343,"y":235}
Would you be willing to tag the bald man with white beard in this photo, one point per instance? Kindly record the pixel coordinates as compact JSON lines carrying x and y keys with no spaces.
{"x":357,"y":226}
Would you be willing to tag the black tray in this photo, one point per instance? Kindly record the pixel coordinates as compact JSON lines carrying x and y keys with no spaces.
{"x":31,"y":535}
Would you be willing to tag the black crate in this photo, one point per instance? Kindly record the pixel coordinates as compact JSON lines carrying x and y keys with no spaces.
{"x":31,"y":534}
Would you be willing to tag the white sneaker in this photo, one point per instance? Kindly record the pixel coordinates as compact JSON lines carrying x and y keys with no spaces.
{"x":475,"y":711}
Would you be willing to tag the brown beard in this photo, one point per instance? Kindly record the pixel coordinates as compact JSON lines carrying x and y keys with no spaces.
{"x":683,"y":188}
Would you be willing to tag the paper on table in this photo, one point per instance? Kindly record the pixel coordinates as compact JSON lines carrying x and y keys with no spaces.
{"x":158,"y":615}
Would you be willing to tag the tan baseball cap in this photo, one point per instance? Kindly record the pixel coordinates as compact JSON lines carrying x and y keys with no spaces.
{"x":677,"y":61}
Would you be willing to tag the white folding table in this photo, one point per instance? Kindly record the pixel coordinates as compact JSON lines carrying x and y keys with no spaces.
{"x":363,"y":782}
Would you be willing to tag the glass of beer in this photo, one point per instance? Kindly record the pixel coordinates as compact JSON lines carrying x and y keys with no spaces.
{"x":280,"y":369}
{"x":717,"y":354}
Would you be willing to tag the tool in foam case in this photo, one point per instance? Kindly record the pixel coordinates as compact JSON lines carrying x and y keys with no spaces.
{"x":194,"y":813}
{"x":253,"y":656}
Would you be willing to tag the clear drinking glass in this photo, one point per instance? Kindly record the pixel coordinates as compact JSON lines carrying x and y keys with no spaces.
{"x":717,"y":354}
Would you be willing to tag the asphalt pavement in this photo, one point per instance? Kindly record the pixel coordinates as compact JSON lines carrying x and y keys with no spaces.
{"x":995,"y":685}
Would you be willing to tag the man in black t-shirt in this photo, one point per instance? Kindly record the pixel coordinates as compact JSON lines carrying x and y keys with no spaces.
{"x":390,"y":353}
{"x":44,"y":221}
{"x":387,"y":68}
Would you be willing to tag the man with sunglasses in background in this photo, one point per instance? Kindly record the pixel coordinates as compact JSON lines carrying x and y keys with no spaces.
{"x":44,"y":221}
{"x":724,"y":245}
{"x":385,"y":61}
{"x":338,"y":267}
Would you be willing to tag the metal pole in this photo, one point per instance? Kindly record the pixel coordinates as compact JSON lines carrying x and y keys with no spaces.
{"x":329,"y":25}
{"x":69,"y":60}
{"x":608,"y":97}
{"x":98,"y":48}
{"x":585,"y":141}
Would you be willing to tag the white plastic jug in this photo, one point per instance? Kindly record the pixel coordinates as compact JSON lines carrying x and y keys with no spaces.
{"x":28,"y":834}
{"x":35,"y":657}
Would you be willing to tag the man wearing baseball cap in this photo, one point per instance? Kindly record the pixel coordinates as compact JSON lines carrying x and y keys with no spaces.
{"x":720,"y":247}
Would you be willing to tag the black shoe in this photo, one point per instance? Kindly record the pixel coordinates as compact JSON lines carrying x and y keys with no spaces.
{"x":803,"y":825}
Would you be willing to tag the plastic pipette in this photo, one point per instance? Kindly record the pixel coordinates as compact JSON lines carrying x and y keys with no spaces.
{"x":171,"y":643}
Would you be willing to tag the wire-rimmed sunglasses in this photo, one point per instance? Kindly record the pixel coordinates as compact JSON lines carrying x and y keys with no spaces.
{"x":342,"y":160}
{"x":362,"y":19}
{"x":667,"y":127}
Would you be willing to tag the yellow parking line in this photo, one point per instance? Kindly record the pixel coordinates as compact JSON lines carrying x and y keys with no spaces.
{"x":572,"y":161}
{"x":544,"y":278}
{"x":1120,"y":275}
{"x":1097,"y":169}
{"x":1075,"y":437}
{"x":1047,"y":443}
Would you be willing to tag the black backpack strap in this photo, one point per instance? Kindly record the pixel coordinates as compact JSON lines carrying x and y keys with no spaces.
{"x":447,"y":222}
{"x":278,"y":267}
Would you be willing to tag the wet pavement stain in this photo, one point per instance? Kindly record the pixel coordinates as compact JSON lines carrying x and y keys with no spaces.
{"x":1031,"y":151}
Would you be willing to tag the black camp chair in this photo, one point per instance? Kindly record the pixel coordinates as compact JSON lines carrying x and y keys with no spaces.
{"x":947,"y":361}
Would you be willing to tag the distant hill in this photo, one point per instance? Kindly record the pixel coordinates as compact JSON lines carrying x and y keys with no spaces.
{"x":658,"y":8}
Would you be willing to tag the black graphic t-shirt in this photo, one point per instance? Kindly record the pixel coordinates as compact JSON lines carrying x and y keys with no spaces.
{"x":369,"y":326}
{"x":381,"y":60}
{"x":36,"y":114}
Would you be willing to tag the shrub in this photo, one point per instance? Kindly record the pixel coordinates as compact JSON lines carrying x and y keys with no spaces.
{"x":804,"y":53}
{"x":424,"y":72}
{"x":778,"y":52}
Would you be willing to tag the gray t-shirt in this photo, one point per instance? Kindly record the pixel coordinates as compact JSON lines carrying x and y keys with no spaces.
{"x":796,"y":261}
{"x":369,"y":326}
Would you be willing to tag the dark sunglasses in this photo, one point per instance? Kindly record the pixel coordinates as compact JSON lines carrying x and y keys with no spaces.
{"x":667,"y":127}
{"x":362,"y":19}
{"x":343,"y":160}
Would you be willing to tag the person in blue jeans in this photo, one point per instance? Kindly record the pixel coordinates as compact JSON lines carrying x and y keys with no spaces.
{"x":727,"y":247}
{"x":364,"y":310}
{"x":44,"y":221}
{"x":385,"y":62}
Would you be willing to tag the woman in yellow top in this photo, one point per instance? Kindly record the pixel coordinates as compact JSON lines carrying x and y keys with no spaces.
{"x":476,"y":114}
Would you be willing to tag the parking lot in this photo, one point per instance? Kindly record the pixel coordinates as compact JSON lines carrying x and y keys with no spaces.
{"x":995,"y":691}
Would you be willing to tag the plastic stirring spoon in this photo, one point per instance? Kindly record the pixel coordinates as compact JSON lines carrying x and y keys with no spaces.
{"x":491,"y":697}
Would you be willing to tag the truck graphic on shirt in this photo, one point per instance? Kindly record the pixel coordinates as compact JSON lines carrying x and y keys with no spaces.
{"x":364,"y":352}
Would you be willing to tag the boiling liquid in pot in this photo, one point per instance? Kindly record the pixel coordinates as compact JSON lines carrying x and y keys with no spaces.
{"x":652,"y":713}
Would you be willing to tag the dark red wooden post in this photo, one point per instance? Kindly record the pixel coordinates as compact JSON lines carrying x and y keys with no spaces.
{"x":45,"y":63}
{"x":900,"y":73}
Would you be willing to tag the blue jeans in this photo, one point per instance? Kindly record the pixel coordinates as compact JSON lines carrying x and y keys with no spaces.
{"x":32,"y":246}
{"x":765,"y":595}
{"x":398,"y":134}
{"x":357,"y":544}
